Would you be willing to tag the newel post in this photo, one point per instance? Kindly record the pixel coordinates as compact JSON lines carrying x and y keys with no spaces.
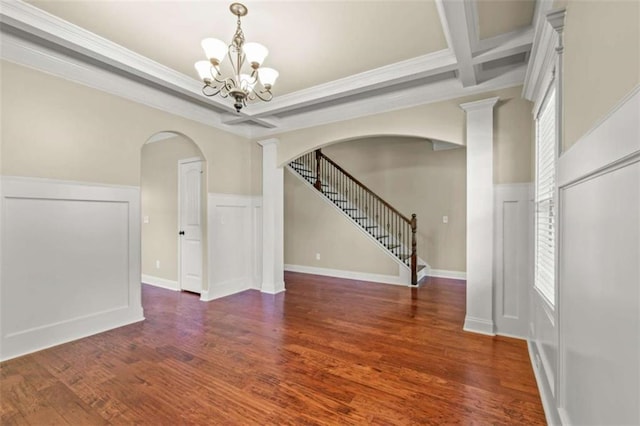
{"x":414,"y":254}
{"x":318,"y":184}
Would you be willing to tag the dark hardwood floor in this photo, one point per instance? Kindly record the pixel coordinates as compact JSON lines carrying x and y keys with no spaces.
{"x":328,"y":351}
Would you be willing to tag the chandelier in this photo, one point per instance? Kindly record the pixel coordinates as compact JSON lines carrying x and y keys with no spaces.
{"x":254,"y":83}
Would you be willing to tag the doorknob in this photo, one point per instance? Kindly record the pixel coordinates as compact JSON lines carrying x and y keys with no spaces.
{"x":181,"y":233}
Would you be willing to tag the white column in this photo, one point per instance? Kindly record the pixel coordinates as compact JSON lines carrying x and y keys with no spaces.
{"x":479,"y":316}
{"x":272,"y":219}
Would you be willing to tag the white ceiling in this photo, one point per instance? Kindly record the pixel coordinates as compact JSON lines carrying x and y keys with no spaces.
{"x":337,"y":59}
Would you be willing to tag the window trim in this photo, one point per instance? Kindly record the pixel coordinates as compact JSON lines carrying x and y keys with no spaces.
{"x":550,"y":94}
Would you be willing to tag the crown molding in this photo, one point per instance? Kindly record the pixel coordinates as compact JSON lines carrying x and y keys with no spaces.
{"x":397,"y":100}
{"x":542,"y":52}
{"x":39,"y":40}
{"x":479,"y":105}
{"x":379,"y":78}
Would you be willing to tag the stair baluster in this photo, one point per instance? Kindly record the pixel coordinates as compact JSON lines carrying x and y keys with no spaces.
{"x":381,"y":220}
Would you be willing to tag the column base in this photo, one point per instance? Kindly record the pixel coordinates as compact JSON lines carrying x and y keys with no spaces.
{"x":272,"y":288}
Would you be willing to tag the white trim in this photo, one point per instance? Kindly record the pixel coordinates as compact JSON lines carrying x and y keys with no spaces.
{"x":58,"y":63}
{"x":480,"y":105}
{"x":223,"y":290}
{"x":37,"y":180}
{"x":160,"y":282}
{"x":400,"y":72}
{"x":350,"y":275}
{"x":244,"y":253}
{"x":443,"y":273}
{"x":546,"y":395}
{"x":598,"y":148}
{"x":72,"y":328}
{"x":541,"y":60}
{"x":461,"y":36}
{"x":479,"y":325}
{"x":330,"y":102}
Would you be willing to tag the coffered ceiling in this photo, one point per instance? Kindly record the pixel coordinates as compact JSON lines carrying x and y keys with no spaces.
{"x":337,"y":59}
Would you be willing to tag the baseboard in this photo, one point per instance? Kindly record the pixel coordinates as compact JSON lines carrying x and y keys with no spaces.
{"x":351,"y":275}
{"x":510,"y":335}
{"x":278,"y":290}
{"x":551,"y":414}
{"x":443,"y":273}
{"x":225,"y":289}
{"x":51,"y":335}
{"x":479,"y":325}
{"x":160,"y":282}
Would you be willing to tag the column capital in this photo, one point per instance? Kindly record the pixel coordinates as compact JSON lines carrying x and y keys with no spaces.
{"x":481,"y":104}
{"x":267,"y":142}
{"x":556,"y":19}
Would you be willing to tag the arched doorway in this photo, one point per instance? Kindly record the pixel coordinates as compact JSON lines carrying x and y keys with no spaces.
{"x":173,"y":210}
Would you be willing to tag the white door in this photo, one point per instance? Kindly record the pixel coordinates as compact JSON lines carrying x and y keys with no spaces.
{"x":190,"y":225}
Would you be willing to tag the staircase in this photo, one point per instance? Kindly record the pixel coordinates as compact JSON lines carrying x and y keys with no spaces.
{"x":392,"y":230}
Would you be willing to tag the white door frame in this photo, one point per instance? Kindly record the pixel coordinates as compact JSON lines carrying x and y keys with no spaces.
{"x":202,"y":216}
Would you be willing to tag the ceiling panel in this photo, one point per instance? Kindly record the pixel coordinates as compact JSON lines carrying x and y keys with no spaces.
{"x":496,"y":17}
{"x":310,"y":42}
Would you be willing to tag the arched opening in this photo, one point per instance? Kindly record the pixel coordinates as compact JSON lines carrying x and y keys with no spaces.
{"x":414,"y":175}
{"x":173,"y":209}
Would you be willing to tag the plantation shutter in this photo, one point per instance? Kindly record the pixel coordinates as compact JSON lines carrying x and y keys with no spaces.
{"x":545,"y":221}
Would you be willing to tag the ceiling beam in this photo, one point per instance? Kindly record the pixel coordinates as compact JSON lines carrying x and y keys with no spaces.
{"x":504,"y":45}
{"x":460,"y":25}
{"x":269,"y":123}
{"x":367,"y":82}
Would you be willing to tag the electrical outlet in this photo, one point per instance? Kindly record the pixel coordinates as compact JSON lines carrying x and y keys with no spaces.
{"x":145,"y":219}
{"x":157,"y":264}
{"x":445,"y":219}
{"x":317,"y":256}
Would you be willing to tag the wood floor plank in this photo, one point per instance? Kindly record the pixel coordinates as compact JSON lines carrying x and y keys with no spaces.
{"x":327,"y":351}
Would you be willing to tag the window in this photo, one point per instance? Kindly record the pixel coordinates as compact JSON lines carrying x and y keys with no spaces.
{"x":545,"y":203}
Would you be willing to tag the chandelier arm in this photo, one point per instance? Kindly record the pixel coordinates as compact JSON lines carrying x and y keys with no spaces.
{"x":266,"y":98}
{"x":216,"y":90}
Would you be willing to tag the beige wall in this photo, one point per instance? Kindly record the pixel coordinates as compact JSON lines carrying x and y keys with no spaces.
{"x":441,"y":121}
{"x":406,"y":172}
{"x":53,"y":128}
{"x":413,"y":178}
{"x":601,"y":60}
{"x":312,"y":226}
{"x":159,"y":202}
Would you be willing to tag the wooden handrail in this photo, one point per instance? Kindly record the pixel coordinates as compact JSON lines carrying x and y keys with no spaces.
{"x":320,"y":155}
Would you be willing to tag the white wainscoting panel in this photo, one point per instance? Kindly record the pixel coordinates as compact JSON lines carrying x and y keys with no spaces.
{"x":513,"y":258}
{"x":599,"y":292}
{"x":234,"y":226}
{"x":70,"y":261}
